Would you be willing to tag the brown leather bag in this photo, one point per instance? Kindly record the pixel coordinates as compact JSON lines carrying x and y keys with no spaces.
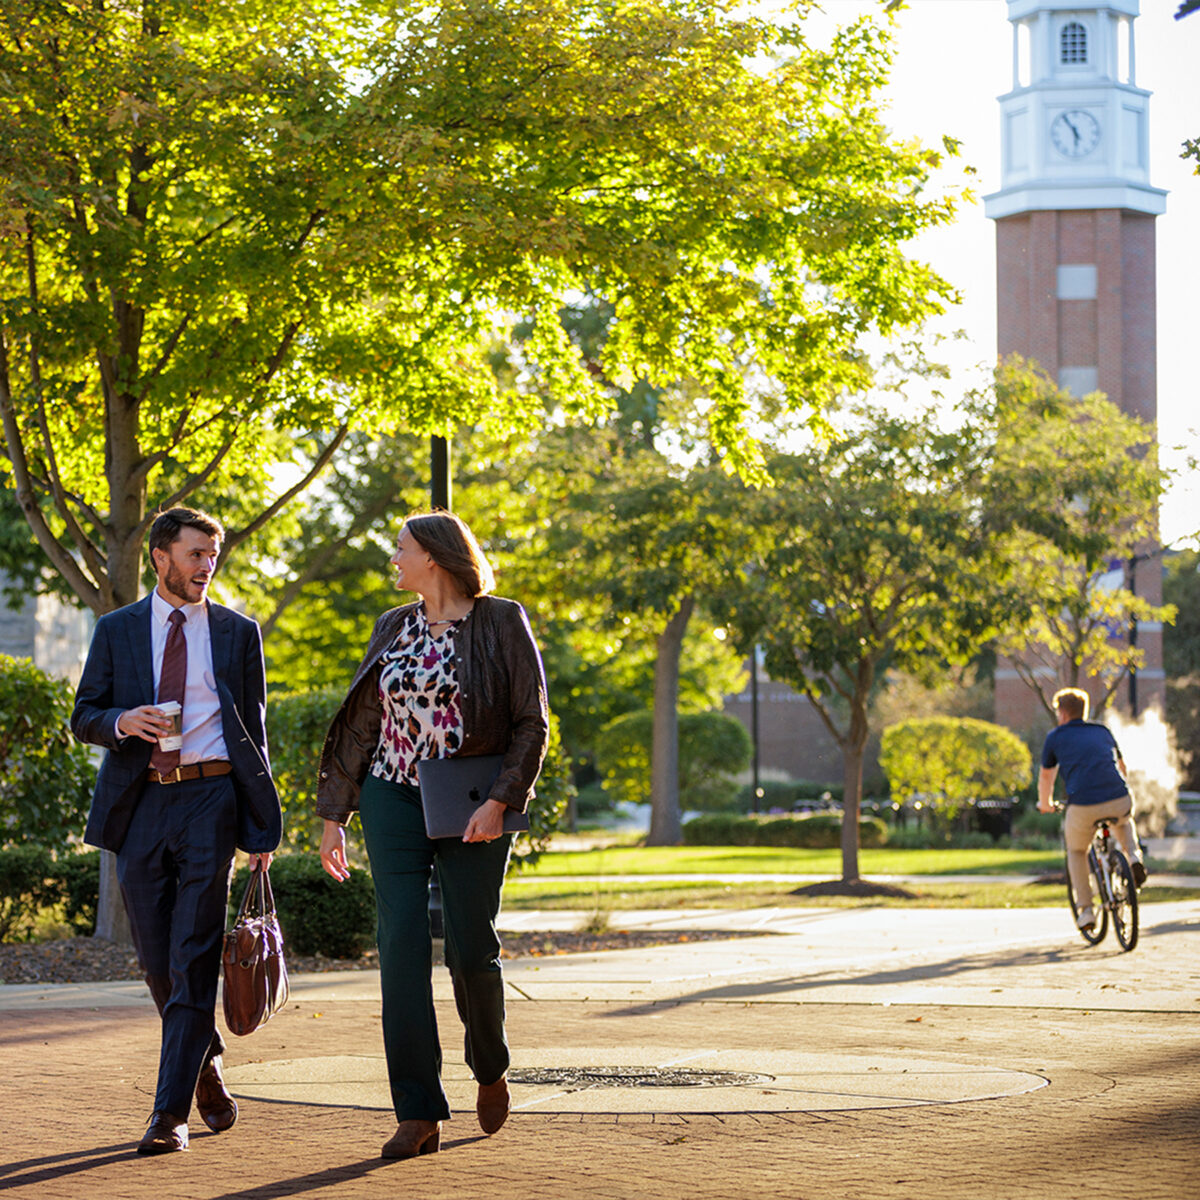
{"x":256,"y":982}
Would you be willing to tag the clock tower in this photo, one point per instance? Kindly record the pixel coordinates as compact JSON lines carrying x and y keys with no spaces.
{"x":1075,"y":242}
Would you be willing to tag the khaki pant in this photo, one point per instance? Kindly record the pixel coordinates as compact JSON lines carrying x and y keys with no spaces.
{"x":1079,"y":825}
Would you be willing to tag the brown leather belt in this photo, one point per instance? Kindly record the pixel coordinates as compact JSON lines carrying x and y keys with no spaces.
{"x":201,"y":770}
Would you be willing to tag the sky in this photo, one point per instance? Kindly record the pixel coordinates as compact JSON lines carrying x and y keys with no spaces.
{"x":954,"y":58}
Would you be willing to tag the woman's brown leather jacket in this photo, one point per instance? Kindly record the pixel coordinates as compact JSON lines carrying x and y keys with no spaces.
{"x":502,"y":695}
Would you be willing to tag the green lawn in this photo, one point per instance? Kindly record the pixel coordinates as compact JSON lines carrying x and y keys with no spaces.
{"x":616,"y":878}
{"x":615,"y":895}
{"x":723,"y":860}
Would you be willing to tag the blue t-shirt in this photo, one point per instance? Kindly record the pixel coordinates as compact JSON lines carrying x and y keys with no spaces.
{"x":1085,"y":754}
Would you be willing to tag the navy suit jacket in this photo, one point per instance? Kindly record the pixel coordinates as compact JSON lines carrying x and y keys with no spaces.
{"x":119,"y":675}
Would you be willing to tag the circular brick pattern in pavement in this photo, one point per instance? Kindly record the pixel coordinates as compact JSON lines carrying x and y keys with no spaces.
{"x":557,"y":1081}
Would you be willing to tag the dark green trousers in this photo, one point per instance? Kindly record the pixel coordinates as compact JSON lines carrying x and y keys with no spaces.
{"x":470,"y":875}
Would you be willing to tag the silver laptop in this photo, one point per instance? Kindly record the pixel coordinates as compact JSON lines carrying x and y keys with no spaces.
{"x":453,"y":788}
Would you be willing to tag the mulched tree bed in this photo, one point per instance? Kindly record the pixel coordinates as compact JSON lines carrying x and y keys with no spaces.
{"x":93,"y":960}
{"x":853,"y":887}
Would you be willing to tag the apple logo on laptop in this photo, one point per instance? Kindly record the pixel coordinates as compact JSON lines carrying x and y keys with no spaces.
{"x":476,"y":798}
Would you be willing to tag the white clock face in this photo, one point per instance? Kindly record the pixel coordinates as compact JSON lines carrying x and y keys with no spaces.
{"x":1075,"y":132}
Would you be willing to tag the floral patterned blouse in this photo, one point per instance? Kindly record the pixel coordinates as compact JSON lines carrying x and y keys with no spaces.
{"x":418,"y":685}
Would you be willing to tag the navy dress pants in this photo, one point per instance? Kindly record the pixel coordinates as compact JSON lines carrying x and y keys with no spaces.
{"x":470,"y":875}
{"x":174,"y":871}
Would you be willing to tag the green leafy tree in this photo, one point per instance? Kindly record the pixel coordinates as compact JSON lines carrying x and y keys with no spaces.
{"x":227,"y":220}
{"x":229,"y":227}
{"x":713,"y":748}
{"x":871,"y":554}
{"x":641,"y":543}
{"x":1081,"y":481}
{"x":951,"y":762}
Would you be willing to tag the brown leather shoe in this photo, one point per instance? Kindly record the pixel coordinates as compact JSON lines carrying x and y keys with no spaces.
{"x":492,"y":1105}
{"x":412,"y":1138}
{"x":164,"y":1135}
{"x":217,"y":1107}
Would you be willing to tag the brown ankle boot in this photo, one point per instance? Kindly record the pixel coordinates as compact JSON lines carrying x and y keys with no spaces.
{"x":492,"y":1105}
{"x":412,"y":1138}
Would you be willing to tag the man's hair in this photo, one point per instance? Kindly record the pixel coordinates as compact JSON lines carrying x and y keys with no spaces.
{"x":452,"y":545}
{"x":1073,"y":701}
{"x":167,"y":526}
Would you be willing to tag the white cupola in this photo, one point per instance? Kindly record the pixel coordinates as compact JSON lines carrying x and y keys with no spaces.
{"x":1075,"y":129}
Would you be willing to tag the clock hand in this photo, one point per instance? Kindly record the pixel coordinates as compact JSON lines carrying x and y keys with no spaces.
{"x":1071,"y":126}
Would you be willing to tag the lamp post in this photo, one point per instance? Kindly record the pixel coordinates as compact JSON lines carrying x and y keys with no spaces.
{"x":439,"y":498}
{"x":439,"y":473}
{"x":1133,"y":632}
{"x":754,"y":784}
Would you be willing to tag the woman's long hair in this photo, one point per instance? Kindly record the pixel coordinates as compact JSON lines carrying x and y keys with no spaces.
{"x":452,"y":545}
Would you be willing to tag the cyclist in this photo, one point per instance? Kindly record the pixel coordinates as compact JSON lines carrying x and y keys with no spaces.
{"x":1094,"y":777}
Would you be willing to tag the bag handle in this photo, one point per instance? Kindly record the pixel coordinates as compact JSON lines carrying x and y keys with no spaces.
{"x":258,"y":900}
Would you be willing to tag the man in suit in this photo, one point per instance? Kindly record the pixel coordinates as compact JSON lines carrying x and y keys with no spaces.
{"x":174,"y":812}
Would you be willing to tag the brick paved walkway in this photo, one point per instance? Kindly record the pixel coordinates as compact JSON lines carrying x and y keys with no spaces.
{"x":1119,"y":1117}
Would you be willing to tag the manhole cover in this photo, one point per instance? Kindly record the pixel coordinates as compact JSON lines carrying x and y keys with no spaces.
{"x":633,"y":1077}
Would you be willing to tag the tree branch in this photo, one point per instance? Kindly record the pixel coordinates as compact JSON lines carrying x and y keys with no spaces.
{"x":63,"y":562}
{"x":90,"y":551}
{"x":233,"y":540}
{"x":147,"y":464}
{"x":318,"y":563}
{"x":827,"y":718}
{"x":165,"y":356}
{"x":189,"y":485}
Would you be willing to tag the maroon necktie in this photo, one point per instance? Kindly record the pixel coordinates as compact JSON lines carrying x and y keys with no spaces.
{"x":171,"y":681}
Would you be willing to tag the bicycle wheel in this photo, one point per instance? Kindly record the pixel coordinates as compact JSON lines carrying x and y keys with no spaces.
{"x":1124,"y":900}
{"x":1100,"y":928}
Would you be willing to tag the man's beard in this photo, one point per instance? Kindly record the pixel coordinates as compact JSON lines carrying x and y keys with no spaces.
{"x":177,"y":583}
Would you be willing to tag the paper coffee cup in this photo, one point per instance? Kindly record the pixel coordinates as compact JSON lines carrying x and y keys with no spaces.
{"x":174,"y":739}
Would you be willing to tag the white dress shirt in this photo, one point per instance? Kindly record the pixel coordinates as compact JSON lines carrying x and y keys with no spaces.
{"x":203,"y":738}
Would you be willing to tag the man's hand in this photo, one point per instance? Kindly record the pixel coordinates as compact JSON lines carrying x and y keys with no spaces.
{"x":147,"y":722}
{"x":487,"y":822}
{"x":333,"y":852}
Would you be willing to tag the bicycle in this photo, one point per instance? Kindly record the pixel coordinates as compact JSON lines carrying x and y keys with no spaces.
{"x":1113,"y":891}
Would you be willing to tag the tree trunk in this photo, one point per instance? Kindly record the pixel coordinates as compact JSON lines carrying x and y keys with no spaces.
{"x":112,"y":921}
{"x":853,"y":751}
{"x":852,"y":766}
{"x":666,"y":822}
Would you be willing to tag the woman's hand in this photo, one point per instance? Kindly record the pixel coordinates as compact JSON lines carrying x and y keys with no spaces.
{"x":333,"y":852}
{"x":260,"y":860}
{"x":487,"y":824}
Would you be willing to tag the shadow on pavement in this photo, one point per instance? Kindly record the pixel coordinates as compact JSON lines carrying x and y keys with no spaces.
{"x":329,"y":1177}
{"x":62,"y":1166}
{"x":920,"y":973}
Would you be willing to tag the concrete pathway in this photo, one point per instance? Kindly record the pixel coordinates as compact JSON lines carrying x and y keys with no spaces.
{"x":849,"y":1054}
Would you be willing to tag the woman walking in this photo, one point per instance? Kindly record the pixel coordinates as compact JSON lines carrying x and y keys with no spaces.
{"x":457,"y":673}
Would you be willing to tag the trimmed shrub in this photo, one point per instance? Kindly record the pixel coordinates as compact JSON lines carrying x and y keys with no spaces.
{"x":713,"y":748}
{"x":27,"y":885}
{"x":950,"y":762}
{"x":46,"y":776}
{"x":815,"y":831}
{"x":79,"y":880}
{"x":318,"y":915}
{"x":1033,"y":824}
{"x":553,"y":793}
{"x":296,"y":728}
